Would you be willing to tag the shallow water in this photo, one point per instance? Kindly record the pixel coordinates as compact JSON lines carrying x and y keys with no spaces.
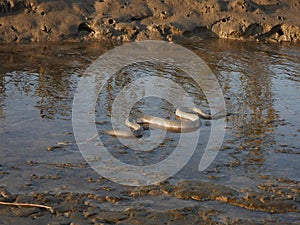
{"x":261,"y":84}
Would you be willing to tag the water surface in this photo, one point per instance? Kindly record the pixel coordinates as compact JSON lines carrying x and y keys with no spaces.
{"x":261,"y":83}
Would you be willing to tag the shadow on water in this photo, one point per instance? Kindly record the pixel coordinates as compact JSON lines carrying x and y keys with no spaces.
{"x":260,"y":152}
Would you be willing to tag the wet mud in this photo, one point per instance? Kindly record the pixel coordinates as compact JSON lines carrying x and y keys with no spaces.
{"x":124,"y":21}
{"x":79,"y":208}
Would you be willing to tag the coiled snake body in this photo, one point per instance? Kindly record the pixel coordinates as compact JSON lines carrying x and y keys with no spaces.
{"x":188,"y":122}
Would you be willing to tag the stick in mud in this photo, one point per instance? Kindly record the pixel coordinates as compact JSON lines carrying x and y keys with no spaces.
{"x":28,"y":205}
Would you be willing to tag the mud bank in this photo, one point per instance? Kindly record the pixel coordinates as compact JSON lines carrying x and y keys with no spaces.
{"x":78,"y":208}
{"x":126,"y":20}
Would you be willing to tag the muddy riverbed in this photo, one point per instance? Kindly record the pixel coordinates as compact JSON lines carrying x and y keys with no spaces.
{"x":254,"y":178}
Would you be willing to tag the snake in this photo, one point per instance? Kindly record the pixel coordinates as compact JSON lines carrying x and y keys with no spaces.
{"x":189,"y":121}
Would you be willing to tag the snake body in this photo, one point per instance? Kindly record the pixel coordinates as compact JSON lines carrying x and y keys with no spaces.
{"x":188,"y":122}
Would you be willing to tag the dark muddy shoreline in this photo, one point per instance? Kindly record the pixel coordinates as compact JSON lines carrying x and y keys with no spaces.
{"x":125,"y":21}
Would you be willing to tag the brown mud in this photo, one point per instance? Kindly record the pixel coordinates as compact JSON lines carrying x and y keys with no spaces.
{"x":126,"y":20}
{"x":79,"y":208}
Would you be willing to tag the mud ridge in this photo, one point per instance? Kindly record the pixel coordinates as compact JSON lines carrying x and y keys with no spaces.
{"x":74,"y":208}
{"x":126,"y":20}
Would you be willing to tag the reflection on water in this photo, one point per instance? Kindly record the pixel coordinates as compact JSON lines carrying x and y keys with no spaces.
{"x":252,"y":78}
{"x":255,"y":125}
{"x":37,"y":87}
{"x":49,"y":74}
{"x":37,"y":84}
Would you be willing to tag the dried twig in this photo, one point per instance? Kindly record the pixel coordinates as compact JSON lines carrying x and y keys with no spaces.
{"x":27,"y":205}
